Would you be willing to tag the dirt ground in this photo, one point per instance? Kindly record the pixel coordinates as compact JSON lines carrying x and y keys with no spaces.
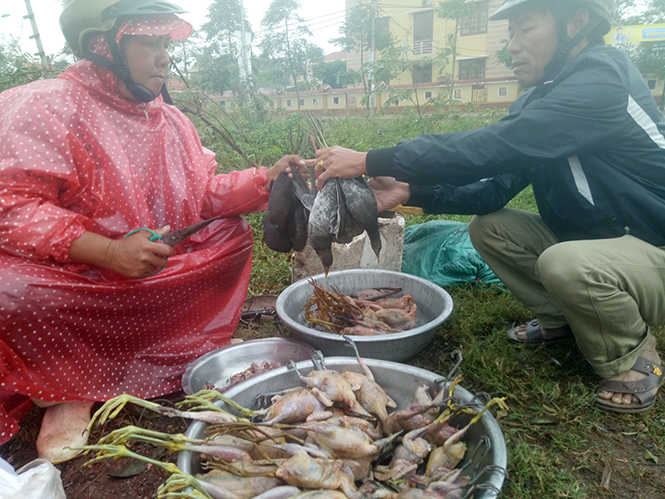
{"x":609,"y":454}
{"x":107,"y":479}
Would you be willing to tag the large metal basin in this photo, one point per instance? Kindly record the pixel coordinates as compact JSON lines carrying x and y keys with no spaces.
{"x":434,"y":307}
{"x":398,"y":380}
{"x":218,"y":366}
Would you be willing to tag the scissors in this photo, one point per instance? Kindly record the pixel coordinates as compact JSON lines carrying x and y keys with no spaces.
{"x":175,"y":237}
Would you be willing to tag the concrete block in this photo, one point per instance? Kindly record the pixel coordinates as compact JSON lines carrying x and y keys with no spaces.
{"x":358,"y":253}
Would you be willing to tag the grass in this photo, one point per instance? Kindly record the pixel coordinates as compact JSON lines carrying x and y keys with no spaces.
{"x":559,"y":445}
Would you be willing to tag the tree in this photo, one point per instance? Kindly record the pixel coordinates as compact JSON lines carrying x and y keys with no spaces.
{"x":285,"y":29}
{"x":224,"y":21}
{"x":217,"y":62}
{"x":330,"y":72}
{"x":184,"y":53}
{"x":18,"y":68}
{"x":270,"y":73}
{"x":215,"y":72}
{"x":357,"y":37}
{"x":456,"y":11}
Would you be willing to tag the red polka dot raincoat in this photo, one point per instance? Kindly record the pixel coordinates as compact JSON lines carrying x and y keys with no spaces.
{"x":75,"y":156}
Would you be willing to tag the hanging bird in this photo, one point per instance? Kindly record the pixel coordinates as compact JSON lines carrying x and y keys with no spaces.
{"x":297,"y":214}
{"x":285,"y":222}
{"x":361,"y":205}
{"x":324,"y":221}
{"x":298,"y":228}
{"x":280,"y":206}
{"x":344,"y":209}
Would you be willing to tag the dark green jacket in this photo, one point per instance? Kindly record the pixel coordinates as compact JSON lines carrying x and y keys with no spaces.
{"x":591,"y":143}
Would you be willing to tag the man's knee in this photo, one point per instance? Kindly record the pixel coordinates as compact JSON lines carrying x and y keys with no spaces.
{"x":479,"y":228}
{"x":484,"y":227}
{"x":561,"y":265}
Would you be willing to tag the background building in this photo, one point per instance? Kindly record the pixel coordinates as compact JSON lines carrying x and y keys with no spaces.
{"x":479,"y":77}
{"x":443,"y":62}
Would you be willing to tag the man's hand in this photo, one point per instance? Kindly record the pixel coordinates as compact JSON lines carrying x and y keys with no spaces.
{"x":338,"y":162}
{"x":135,"y":256}
{"x":292,"y":161}
{"x":389,"y":192}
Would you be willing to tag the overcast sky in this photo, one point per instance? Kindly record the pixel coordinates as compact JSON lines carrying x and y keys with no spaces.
{"x":323,"y":19}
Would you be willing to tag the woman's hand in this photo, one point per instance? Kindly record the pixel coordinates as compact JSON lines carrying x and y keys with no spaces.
{"x":135,"y":256}
{"x":292,"y":161}
{"x":389,"y":192}
{"x":338,"y":162}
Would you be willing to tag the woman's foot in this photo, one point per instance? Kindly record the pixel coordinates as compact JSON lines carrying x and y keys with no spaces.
{"x":623,"y":402}
{"x":63,"y":429}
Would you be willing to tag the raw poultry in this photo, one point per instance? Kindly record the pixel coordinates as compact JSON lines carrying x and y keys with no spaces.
{"x":321,"y":452}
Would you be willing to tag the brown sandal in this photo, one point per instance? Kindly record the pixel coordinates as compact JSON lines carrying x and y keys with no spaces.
{"x":641,"y":389}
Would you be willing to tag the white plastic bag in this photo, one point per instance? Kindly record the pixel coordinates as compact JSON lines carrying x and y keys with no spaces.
{"x":38,"y":479}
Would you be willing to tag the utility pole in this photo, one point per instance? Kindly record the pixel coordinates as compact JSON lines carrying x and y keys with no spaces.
{"x":37,"y":38}
{"x":243,"y":45}
{"x":372,"y":56}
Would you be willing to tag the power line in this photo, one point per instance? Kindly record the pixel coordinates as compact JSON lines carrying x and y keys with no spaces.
{"x":338,"y":20}
{"x":306,"y":22}
{"x":338,"y":23}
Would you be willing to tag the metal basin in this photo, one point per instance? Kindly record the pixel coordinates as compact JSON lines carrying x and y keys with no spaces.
{"x":218,"y":366}
{"x":398,"y":380}
{"x":434,"y":307}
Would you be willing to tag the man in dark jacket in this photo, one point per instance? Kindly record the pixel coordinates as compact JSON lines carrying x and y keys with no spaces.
{"x":589,"y":138}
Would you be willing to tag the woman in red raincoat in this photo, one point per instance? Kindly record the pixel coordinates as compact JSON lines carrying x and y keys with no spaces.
{"x":84,"y":160}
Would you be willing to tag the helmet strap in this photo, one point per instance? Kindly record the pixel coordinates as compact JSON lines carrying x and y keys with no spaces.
{"x":166,"y":96}
{"x":139,"y":92}
{"x":565,"y":46}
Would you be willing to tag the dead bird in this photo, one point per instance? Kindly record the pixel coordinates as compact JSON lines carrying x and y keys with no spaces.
{"x":361,"y":205}
{"x":285,"y":222}
{"x":280,"y":205}
{"x":344,"y":209}
{"x":323,"y":223}
{"x":297,"y":214}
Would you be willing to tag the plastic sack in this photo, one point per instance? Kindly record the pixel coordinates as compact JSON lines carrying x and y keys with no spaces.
{"x":38,"y":479}
{"x":441,"y":252}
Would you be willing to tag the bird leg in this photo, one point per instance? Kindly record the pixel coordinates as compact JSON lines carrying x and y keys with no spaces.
{"x":318,"y":360}
{"x":348,"y":341}
{"x":203,"y":400}
{"x":175,"y":487}
{"x":113,"y":406}
{"x":117,"y":451}
{"x":263,"y":399}
{"x":124,"y":435}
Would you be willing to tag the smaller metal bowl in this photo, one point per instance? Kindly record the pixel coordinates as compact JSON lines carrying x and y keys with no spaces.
{"x":218,"y":366}
{"x":434,"y":306}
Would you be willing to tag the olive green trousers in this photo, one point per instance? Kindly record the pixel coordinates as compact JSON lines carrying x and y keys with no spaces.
{"x":610,"y":291}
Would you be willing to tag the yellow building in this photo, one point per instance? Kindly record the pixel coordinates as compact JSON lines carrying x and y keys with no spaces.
{"x":415,"y":27}
{"x":480,"y":79}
